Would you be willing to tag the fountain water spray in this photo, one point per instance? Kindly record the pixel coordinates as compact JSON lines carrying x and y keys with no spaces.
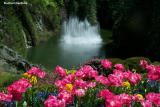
{"x":80,"y":32}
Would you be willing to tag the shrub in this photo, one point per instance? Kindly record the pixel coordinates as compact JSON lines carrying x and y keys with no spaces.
{"x":133,"y":63}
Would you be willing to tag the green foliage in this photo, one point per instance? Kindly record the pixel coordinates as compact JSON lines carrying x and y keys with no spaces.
{"x":133,"y":63}
{"x":118,"y":61}
{"x":49,"y":87}
{"x":7,"y":78}
{"x":130,"y":63}
{"x":12,"y":35}
{"x":92,"y":12}
{"x":106,"y":35}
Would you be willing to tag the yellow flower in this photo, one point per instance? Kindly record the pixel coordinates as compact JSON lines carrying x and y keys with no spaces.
{"x":33,"y":80}
{"x":70,"y":71}
{"x":27,"y":76}
{"x":134,"y":70}
{"x":69,"y":87}
{"x":140,"y":96}
{"x":127,"y":84}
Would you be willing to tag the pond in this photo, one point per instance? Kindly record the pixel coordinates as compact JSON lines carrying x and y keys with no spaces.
{"x":78,"y":42}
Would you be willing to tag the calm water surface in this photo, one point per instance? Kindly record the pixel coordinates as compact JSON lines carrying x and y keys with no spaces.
{"x":56,"y":52}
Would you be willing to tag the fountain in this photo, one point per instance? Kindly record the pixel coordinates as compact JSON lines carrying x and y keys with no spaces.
{"x":80,"y":32}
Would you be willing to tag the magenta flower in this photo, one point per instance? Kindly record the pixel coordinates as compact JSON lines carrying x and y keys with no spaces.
{"x":115,"y":80}
{"x":126,"y":74}
{"x":92,"y":73}
{"x":80,"y":83}
{"x":134,"y":78}
{"x":36,"y":71}
{"x":118,"y":73}
{"x":119,"y":67}
{"x":91,"y":84}
{"x":125,"y":99}
{"x":102,"y":79}
{"x":80,"y":74}
{"x":61,"y":71}
{"x":79,"y":92}
{"x":5,"y":97}
{"x":41,"y":74}
{"x":154,"y":98}
{"x":107,"y":64}
{"x":70,"y":77}
{"x":143,"y":64}
{"x":146,"y":103}
{"x":154,"y":72}
{"x":17,"y":88}
{"x":52,"y":101}
{"x":67,"y":97}
{"x":118,"y":100}
{"x":105,"y":94}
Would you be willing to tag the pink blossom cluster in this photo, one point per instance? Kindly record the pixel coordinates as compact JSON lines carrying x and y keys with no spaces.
{"x":107,"y":64}
{"x":153,"y":71}
{"x":123,"y":99}
{"x":77,"y":82}
{"x":36,"y":71}
{"x":154,"y":98}
{"x":112,"y":100}
{"x":5,"y":97}
{"x":118,"y":76}
{"x":17,"y":88}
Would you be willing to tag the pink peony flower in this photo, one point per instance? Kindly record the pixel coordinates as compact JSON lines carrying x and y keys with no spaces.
{"x":62,"y":83}
{"x":126,"y":74}
{"x":146,"y":103}
{"x":102,"y":80}
{"x":125,"y":98}
{"x":5,"y":97}
{"x":113,"y":102}
{"x":91,"y":84}
{"x":134,"y":78}
{"x":52,"y":101}
{"x":41,"y":74}
{"x":115,"y":80}
{"x":92,"y":73}
{"x":106,"y":94}
{"x":36,"y":71}
{"x":118,"y":100}
{"x":67,"y":97}
{"x":107,"y":64}
{"x":119,"y":67}
{"x":58,"y":83}
{"x":80,"y":74}
{"x":17,"y":88}
{"x":150,"y":68}
{"x":80,"y":83}
{"x":154,"y":98}
{"x":80,"y":92}
{"x":136,"y":98}
{"x":154,"y":73}
{"x":61,"y":71}
{"x":143,"y":64}
{"x":118,"y":73}
{"x":70,"y":77}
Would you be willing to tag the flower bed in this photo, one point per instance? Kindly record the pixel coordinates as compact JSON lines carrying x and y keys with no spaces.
{"x":86,"y":87}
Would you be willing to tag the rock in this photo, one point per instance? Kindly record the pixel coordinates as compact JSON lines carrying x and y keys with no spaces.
{"x":12,"y":61}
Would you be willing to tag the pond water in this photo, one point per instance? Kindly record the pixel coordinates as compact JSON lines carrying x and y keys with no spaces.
{"x":78,"y":42}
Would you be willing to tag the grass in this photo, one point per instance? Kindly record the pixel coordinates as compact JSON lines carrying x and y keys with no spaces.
{"x":8,"y":78}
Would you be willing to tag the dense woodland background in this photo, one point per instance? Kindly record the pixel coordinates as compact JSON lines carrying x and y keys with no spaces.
{"x":135,"y":24}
